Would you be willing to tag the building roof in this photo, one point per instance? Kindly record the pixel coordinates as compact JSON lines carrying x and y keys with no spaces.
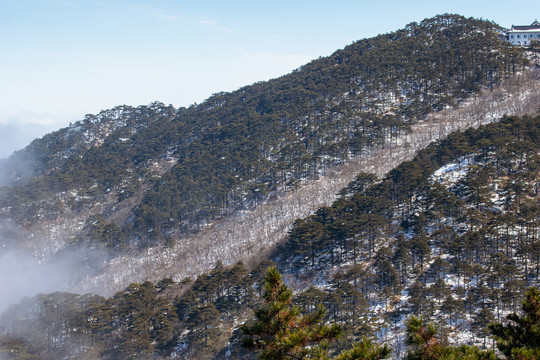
{"x":534,"y":26}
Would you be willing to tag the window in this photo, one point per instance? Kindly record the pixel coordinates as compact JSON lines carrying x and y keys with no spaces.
{"x":519,"y":36}
{"x":511,"y":36}
{"x":525,"y":36}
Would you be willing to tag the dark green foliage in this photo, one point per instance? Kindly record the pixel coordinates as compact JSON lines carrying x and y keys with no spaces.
{"x":388,"y":239}
{"x":201,"y":323}
{"x":134,"y":324}
{"x":46,"y":321}
{"x":465,"y":352}
{"x":365,"y":350}
{"x":421,"y":337}
{"x":145,"y":321}
{"x":481,"y":321}
{"x":109,"y":234}
{"x":424,"y":345}
{"x":520,"y":337}
{"x":281,"y":331}
{"x":16,"y":349}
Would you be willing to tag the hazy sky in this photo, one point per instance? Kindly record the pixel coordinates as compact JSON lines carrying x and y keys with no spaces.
{"x":62,"y":59}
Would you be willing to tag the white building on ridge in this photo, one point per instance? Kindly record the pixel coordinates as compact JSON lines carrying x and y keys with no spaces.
{"x":524,"y":34}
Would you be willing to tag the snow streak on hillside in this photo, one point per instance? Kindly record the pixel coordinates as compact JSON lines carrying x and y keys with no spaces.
{"x":249,"y":235}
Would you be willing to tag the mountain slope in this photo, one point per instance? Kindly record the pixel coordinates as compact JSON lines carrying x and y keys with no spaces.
{"x":249,"y":235}
{"x":176,"y":170}
{"x":451,"y":235}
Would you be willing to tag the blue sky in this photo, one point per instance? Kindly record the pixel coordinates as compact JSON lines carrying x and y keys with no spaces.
{"x":63,"y":59}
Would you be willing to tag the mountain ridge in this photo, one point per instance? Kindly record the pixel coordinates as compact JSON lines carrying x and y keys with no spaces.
{"x":285,"y":107}
{"x":252,"y":228}
{"x":142,"y":177}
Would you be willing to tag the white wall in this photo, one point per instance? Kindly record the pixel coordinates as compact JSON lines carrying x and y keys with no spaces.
{"x":523,"y":37}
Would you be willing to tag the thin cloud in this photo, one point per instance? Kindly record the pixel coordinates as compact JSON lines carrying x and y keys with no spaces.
{"x":167,"y":16}
{"x":161,"y":13}
{"x":19,"y":130}
{"x":207,"y":21}
{"x":29,"y":117}
{"x":25,"y":271}
{"x":215,"y":25}
{"x":156,"y":12}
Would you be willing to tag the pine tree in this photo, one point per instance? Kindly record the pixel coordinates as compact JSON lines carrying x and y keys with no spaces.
{"x":203,"y":322}
{"x":365,"y":350}
{"x":481,"y":321}
{"x":520,"y":339}
{"x":424,"y":345}
{"x":421,"y":337}
{"x":282,"y":332}
{"x":16,"y":348}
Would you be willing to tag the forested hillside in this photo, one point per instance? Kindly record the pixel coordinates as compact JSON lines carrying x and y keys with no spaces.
{"x":155,"y":192}
{"x":451,"y":236}
{"x":134,"y":177}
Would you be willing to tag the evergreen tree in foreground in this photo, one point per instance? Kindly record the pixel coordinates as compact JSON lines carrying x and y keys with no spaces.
{"x":521,"y":338}
{"x":282,"y":332}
